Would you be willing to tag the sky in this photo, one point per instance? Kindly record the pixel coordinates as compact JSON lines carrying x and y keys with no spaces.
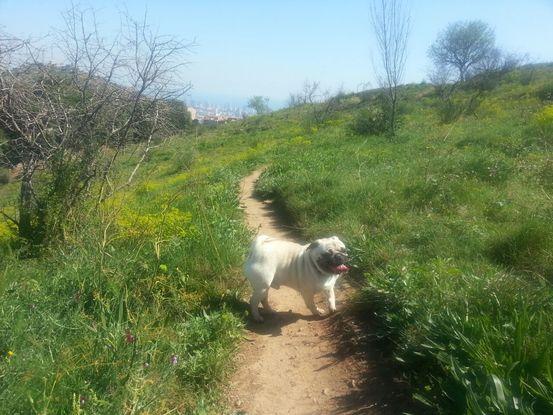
{"x":268,"y":47}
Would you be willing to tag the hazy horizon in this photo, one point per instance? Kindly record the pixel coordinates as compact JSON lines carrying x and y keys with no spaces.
{"x":270,"y":48}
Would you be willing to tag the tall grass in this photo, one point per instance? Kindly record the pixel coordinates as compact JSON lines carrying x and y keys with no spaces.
{"x":139,"y":310}
{"x":449,"y":225}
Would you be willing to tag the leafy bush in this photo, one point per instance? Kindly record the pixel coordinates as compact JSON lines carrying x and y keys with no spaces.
{"x":544,"y":120}
{"x":525,"y":76}
{"x":528,"y":248}
{"x":545,"y":92}
{"x":451,"y":107}
{"x":166,"y":223}
{"x":370,"y":121}
{"x":184,"y":159}
{"x":4,"y":176}
{"x":8,"y":233}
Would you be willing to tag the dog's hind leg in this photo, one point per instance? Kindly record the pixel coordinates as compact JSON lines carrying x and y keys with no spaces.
{"x":265,"y":301}
{"x":257,"y":296}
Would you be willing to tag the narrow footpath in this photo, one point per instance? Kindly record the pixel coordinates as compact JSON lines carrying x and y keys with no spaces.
{"x":295,"y":363}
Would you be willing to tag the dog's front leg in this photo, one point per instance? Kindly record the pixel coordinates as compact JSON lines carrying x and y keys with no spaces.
{"x":310,"y":303}
{"x":258,"y":295}
{"x":331,"y":299}
{"x":266,"y":306}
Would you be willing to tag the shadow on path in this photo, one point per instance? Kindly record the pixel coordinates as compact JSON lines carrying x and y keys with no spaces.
{"x":274,"y":322}
{"x":379,"y":387}
{"x":302,"y":364}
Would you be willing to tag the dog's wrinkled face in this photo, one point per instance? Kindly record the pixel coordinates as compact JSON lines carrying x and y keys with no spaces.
{"x":330,"y":255}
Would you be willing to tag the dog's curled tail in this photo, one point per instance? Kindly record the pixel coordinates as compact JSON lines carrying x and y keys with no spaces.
{"x":258,"y":240}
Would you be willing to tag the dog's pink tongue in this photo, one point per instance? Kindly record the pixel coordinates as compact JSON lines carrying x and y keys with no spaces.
{"x":342,"y":268}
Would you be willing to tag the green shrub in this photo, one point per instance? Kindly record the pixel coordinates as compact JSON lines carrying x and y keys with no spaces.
{"x":526,"y":248}
{"x":544,"y":120}
{"x":449,"y":109}
{"x":182,"y":160}
{"x":370,"y":121}
{"x":525,"y":76}
{"x":4,"y":176}
{"x":545,"y":92}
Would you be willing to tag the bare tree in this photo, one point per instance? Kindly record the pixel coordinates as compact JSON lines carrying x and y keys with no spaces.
{"x":390,"y":22}
{"x":70,"y":121}
{"x":327,"y":106}
{"x":309,"y":94}
{"x":321,"y":104}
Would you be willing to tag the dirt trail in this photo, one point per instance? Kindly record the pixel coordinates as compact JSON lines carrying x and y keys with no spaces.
{"x":291,"y":364}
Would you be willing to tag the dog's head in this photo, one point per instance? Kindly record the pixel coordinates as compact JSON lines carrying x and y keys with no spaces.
{"x":330,"y":255}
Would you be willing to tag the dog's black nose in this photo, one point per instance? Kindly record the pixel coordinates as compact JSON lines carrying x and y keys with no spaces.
{"x":340,"y":258}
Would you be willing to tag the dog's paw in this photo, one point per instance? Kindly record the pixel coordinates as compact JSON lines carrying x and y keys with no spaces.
{"x":269,"y":311}
{"x":258,"y":319}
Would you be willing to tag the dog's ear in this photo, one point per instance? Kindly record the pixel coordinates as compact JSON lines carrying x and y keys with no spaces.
{"x":313,"y":245}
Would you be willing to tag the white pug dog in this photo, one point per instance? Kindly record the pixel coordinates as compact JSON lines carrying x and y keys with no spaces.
{"x":307,"y":268}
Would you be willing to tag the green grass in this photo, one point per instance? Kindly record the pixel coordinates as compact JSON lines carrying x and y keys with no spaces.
{"x":138,"y":310}
{"x":449,"y":226}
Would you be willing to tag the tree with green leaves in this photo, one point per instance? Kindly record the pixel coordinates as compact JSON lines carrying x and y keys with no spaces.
{"x":259,"y":104}
{"x":463,"y":48}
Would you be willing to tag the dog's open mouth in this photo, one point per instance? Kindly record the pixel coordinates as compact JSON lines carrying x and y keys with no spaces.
{"x":340,"y":269}
{"x":334,"y":263}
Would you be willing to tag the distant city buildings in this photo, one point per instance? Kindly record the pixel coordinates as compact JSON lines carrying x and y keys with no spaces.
{"x":193,"y":112}
{"x":206,"y":113}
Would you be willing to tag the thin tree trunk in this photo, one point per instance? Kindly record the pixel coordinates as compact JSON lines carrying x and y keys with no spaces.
{"x":26,"y":208}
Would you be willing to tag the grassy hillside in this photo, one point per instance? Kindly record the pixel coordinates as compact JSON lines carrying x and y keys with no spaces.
{"x":137,"y":311}
{"x":450,"y":226}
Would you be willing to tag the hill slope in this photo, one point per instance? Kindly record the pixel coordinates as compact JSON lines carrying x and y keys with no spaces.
{"x":450,"y":227}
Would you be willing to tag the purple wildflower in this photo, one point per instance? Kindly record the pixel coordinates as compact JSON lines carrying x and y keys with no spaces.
{"x":129,"y":337}
{"x":174,"y":359}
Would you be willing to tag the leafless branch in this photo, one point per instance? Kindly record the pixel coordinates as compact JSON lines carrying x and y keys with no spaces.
{"x":391,"y":25}
{"x":73,"y":119}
